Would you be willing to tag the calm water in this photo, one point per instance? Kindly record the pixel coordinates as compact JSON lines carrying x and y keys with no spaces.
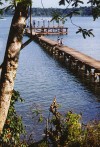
{"x":40,"y":77}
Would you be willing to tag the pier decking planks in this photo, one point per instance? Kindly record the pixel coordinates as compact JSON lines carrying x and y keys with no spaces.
{"x":76,"y":54}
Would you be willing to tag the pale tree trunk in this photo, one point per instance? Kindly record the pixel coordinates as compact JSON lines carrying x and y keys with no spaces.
{"x":10,"y":62}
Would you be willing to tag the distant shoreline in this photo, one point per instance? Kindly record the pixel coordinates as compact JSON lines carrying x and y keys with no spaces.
{"x":83,"y":11}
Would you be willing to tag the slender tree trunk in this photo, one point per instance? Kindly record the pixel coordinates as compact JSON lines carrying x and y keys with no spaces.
{"x":10,"y":62}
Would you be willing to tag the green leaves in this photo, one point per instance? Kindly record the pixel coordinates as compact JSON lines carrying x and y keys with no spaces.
{"x":96,"y":12}
{"x":13,"y":127}
{"x":27,"y":2}
{"x":1,"y":3}
{"x":37,"y":114}
{"x":76,"y":3}
{"x":56,"y":16}
{"x":13,"y":3}
{"x":94,"y":2}
{"x":64,"y":130}
{"x":1,"y":9}
{"x":73,"y":13}
{"x":85,"y":32}
{"x":62,"y":2}
{"x":95,"y":6}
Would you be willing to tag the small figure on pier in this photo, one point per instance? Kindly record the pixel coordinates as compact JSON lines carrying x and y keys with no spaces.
{"x":58,"y":40}
{"x":61,"y":41}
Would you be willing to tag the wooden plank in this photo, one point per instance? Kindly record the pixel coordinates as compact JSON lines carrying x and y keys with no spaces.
{"x":49,"y":41}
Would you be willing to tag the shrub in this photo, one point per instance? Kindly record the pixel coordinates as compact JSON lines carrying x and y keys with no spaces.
{"x":13,"y":127}
{"x":60,"y":131}
{"x":68,"y":130}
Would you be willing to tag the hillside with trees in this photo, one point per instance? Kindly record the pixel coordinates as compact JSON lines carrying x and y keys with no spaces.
{"x":83,"y":11}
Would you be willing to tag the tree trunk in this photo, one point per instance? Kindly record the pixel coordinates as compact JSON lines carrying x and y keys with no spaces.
{"x":10,"y":62}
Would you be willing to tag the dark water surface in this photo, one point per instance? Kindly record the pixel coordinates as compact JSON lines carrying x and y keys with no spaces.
{"x":40,"y":77}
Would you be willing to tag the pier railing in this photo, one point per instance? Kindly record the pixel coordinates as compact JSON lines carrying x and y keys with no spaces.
{"x":50,"y":30}
{"x":44,"y":27}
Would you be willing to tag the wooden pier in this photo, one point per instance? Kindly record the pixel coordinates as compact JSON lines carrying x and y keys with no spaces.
{"x":50,"y":30}
{"x":45,"y":27}
{"x":82,"y":64}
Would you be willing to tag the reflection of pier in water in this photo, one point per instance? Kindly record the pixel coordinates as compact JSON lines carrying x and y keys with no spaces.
{"x":85,"y":66}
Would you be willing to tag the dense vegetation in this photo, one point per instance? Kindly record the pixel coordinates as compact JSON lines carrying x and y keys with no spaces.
{"x":65,"y":130}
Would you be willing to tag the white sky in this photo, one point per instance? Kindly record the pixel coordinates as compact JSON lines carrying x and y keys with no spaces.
{"x":50,"y":3}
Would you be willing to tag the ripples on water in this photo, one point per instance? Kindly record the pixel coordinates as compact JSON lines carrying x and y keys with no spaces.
{"x":40,"y":78}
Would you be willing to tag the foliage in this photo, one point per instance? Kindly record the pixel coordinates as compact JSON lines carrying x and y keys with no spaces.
{"x":92,"y":136}
{"x":96,"y":12}
{"x":74,"y":3}
{"x":85,"y":32}
{"x":12,"y":4}
{"x":95,"y":7}
{"x":13,"y":127}
{"x":68,"y":130}
{"x":1,"y":3}
{"x":60,"y":131}
{"x":64,"y":130}
{"x":57,"y":16}
{"x":95,"y":4}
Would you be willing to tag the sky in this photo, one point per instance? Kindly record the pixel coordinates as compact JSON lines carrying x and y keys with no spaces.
{"x":50,"y":3}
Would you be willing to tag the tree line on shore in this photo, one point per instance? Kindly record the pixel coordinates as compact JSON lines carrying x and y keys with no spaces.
{"x":83,"y":11}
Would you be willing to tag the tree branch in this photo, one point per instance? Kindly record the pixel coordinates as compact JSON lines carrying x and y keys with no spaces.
{"x":26,"y":43}
{"x":22,"y":46}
